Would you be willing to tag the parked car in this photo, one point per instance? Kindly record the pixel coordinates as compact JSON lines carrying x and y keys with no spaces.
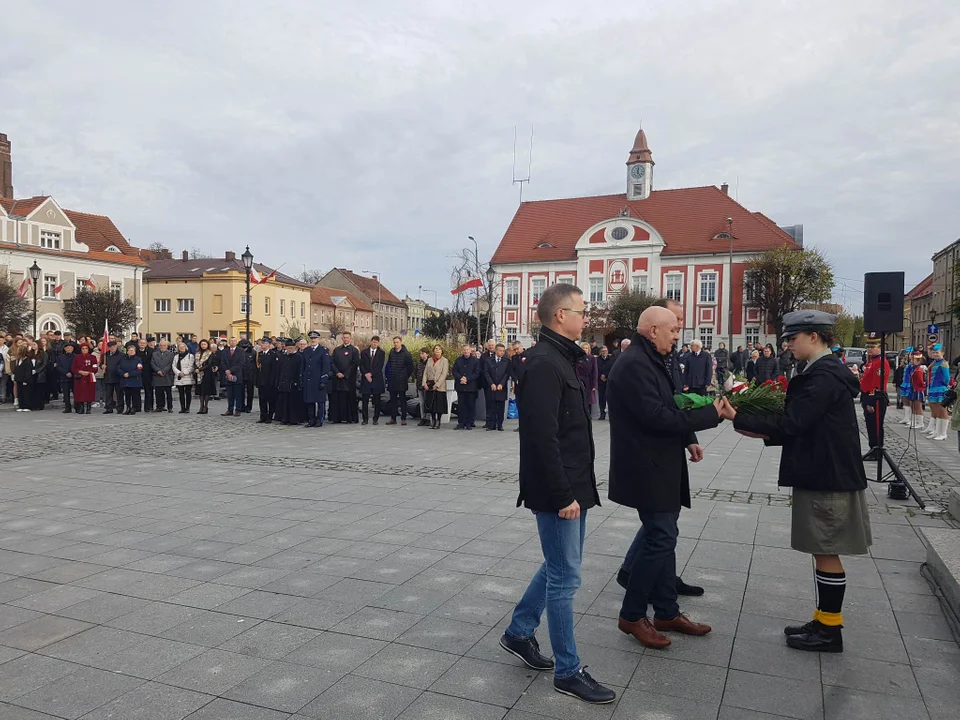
{"x":856,"y":356}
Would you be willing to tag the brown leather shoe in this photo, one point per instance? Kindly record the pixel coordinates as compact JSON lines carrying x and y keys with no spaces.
{"x":682,"y":624}
{"x":391,"y":422}
{"x":644,"y":632}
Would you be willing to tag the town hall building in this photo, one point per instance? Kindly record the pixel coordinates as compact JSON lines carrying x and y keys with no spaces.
{"x":672,"y":243}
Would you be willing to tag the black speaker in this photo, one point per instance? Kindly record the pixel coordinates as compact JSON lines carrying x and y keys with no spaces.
{"x":883,"y":302}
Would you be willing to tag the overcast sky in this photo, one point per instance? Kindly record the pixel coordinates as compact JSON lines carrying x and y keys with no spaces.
{"x":377,"y":135}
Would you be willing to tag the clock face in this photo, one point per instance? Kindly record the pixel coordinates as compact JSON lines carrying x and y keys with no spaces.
{"x":637,"y":172}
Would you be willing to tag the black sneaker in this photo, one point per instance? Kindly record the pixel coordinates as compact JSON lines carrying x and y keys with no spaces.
{"x":805,"y":629}
{"x":825,"y":639}
{"x":585,"y":688}
{"x":688,"y":590}
{"x":527,"y":650}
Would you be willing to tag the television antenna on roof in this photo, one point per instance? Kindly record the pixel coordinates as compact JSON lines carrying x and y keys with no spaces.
{"x":521,"y":180}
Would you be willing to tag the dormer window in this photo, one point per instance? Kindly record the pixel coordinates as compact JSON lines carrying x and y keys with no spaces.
{"x":544,"y":245}
{"x":113,"y":249}
{"x":50,"y":239}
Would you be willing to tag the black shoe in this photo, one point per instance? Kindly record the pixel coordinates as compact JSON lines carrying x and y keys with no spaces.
{"x":489,"y":429}
{"x":603,"y":416}
{"x":500,"y":429}
{"x":376,"y":422}
{"x":623,"y":578}
{"x":585,"y":688}
{"x":688,"y":590}
{"x":805,"y":629}
{"x":67,"y":410}
{"x":364,"y":422}
{"x":871,"y":456}
{"x":108,"y":411}
{"x":825,"y":639}
{"x":527,"y":650}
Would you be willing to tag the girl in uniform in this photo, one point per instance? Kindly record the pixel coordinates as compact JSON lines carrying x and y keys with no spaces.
{"x":821,"y":462}
{"x":937,"y":388}
{"x":917,"y":394}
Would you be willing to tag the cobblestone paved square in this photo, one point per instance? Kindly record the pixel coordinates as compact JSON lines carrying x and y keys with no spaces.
{"x":211,"y":568}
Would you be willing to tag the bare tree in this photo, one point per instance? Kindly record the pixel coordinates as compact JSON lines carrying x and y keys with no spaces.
{"x":310,"y":277}
{"x":198,"y":254}
{"x":160,"y":250}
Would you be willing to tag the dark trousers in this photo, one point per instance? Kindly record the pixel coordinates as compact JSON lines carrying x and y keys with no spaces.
{"x":132,"y":398}
{"x":364,"y":401}
{"x":653,"y":569}
{"x":164,"y":395}
{"x":495,"y":412}
{"x":284,"y":408}
{"x":268,"y":403}
{"x":398,"y":404}
{"x":147,"y":394}
{"x":602,"y":398}
{"x":698,"y":390}
{"x":874,"y":420}
{"x":112,"y":395}
{"x":316,"y":412}
{"x":248,"y":396}
{"x":66,"y":386}
{"x":186,"y":395}
{"x":234,"y":397}
{"x":466,"y":408}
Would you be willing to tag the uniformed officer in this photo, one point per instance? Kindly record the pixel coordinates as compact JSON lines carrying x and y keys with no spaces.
{"x":314,"y":372}
{"x":873,"y":394}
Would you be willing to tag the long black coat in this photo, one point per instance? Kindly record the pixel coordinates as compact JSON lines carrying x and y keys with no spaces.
{"x":698,"y":369}
{"x":766,"y":368}
{"x":314,"y":373}
{"x":288,"y":376}
{"x":268,"y":368}
{"x":468,"y":367}
{"x":496,"y":373}
{"x":649,"y":433}
{"x":818,"y":431}
{"x":377,"y":383}
{"x":399,"y":369}
{"x":604,"y":366}
{"x":556,"y":435}
{"x":346,"y":360}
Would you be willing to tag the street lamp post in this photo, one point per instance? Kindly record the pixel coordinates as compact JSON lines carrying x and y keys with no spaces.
{"x":247,"y":258}
{"x":476,"y":260}
{"x":35,"y":273}
{"x":491,"y":276}
{"x":728,"y":235}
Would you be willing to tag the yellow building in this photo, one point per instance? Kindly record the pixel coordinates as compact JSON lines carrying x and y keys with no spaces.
{"x":207,"y":298}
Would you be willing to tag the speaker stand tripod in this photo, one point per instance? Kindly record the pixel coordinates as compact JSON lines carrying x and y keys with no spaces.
{"x":899,"y":488}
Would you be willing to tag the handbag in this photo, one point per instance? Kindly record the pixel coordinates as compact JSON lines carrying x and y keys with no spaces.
{"x":513,"y":412}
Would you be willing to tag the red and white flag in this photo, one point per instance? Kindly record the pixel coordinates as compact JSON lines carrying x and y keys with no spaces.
{"x":466,"y":285}
{"x":24,"y":286}
{"x":106,"y":338}
{"x":257,"y":280}
{"x":90,"y":284}
{"x":57,"y":289}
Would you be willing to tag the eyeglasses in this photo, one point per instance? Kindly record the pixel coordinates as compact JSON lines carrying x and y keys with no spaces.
{"x":579,"y":312}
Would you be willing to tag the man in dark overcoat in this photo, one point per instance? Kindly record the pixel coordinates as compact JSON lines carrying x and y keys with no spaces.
{"x":267,"y":362}
{"x":145,"y":348}
{"x":466,"y":376}
{"x":398,"y":371}
{"x":315,"y":369}
{"x":343,"y":399}
{"x":372,"y":381}
{"x":233,"y":362}
{"x":288,"y":383}
{"x":496,"y":378}
{"x":697,"y":369}
{"x":604,"y":364}
{"x":648,"y":472}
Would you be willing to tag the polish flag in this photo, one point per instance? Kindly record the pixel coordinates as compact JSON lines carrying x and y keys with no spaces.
{"x":58,"y":288}
{"x":106,"y":338}
{"x":24,"y":286}
{"x":467,"y":285}
{"x":255,"y":276}
{"x":90,"y":284}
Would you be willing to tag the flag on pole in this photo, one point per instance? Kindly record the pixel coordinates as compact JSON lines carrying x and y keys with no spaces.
{"x":90,"y":284}
{"x":57,"y":289}
{"x":255,"y":276}
{"x":106,"y":337}
{"x":467,"y":285}
{"x":24,"y":286}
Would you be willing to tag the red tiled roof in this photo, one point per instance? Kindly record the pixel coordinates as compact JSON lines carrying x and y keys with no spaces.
{"x":687,"y":218}
{"x":324,"y":296}
{"x":193,"y":269}
{"x":24,"y":206}
{"x":925,"y":287}
{"x":111,"y":257}
{"x":372,"y":288}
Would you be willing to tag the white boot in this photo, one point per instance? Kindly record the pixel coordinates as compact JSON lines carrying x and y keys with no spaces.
{"x":906,"y":415}
{"x":932,"y":427}
{"x":916,"y":422}
{"x":942,"y":425}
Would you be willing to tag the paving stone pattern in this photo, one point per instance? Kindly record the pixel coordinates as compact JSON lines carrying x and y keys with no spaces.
{"x":174,"y":566}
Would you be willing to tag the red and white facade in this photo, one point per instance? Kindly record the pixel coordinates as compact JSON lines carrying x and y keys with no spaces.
{"x":673,"y":243}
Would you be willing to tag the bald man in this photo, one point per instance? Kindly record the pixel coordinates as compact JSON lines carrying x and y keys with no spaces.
{"x":648,"y":472}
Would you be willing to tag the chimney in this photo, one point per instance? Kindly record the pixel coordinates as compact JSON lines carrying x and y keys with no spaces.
{"x":725,"y":189}
{"x":229,"y":255}
{"x":185,"y":256}
{"x":6,"y":168}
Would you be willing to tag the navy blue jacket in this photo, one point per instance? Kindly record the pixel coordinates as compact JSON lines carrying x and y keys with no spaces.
{"x":399,"y":369}
{"x":496,"y":373}
{"x":468,"y":367}
{"x":235,"y":363}
{"x":132,"y":365}
{"x":315,"y":368}
{"x":64,"y":361}
{"x":698,"y":369}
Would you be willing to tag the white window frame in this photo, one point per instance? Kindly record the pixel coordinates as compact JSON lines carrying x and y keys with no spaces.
{"x":182,"y":304}
{"x":706,"y":337}
{"x":243,"y":304}
{"x":640,"y":283}
{"x":117,"y":288}
{"x":266,"y":305}
{"x":565,"y":280}
{"x":51,"y":239}
{"x":283,"y":306}
{"x":511,"y":334}
{"x":511,"y":292}
{"x":164,"y":336}
{"x":81,"y":284}
{"x":751,"y":334}
{"x":668,"y":292}
{"x":536,"y":293}
{"x":52,"y":282}
{"x":596,"y":289}
{"x":303,"y":310}
{"x":705,"y":279}
{"x":161,"y":305}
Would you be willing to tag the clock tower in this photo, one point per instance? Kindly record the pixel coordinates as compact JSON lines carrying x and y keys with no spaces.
{"x":639,"y":169}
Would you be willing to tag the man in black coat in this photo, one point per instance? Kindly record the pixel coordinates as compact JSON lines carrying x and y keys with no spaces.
{"x":722,"y":356}
{"x":558,"y":484}
{"x":737,"y":362}
{"x":145,"y":348}
{"x":249,"y":373}
{"x":343,"y":398}
{"x":372,"y":380}
{"x":288,"y":384}
{"x":648,"y":472}
{"x":398,"y":372}
{"x":697,"y":369}
{"x":267,"y":362}
{"x":604,"y":364}
{"x":233,"y":362}
{"x":496,"y":377}
{"x":466,"y":376}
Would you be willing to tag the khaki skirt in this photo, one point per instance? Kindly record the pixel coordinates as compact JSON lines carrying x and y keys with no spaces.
{"x":830,"y":523}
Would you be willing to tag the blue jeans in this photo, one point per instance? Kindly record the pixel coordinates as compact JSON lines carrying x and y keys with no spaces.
{"x":553,"y":588}
{"x":652,"y":562}
{"x":234,"y":397}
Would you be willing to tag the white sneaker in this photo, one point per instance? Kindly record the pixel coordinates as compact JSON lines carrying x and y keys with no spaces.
{"x":24,"y":409}
{"x":16,"y":404}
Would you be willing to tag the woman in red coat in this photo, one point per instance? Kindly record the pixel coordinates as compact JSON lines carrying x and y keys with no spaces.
{"x":84,"y":370}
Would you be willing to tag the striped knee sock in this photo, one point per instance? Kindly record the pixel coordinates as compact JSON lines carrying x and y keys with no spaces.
{"x":830,"y":591}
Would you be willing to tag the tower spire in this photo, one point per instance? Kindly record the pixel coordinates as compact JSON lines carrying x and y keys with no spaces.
{"x":640,"y":169}
{"x":641,"y":150}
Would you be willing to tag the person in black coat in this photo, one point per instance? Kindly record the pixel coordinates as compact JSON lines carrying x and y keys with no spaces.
{"x":722,"y":356}
{"x":129,"y":373}
{"x":557,"y":483}
{"x":767,"y":367}
{"x":372,"y":381}
{"x":750,"y":367}
{"x":820,"y":459}
{"x":496,"y":378}
{"x":288,"y":384}
{"x":314,"y":375}
{"x":343,"y":396}
{"x":267,"y":362}
{"x":604,"y":364}
{"x":64,"y":362}
{"x":249,"y":373}
{"x":233,"y":362}
{"x":466,"y":375}
{"x":398,"y":370}
{"x":697,"y":369}
{"x":648,"y":472}
{"x":145,"y":349}
{"x":737,"y":362}
{"x":112,"y":392}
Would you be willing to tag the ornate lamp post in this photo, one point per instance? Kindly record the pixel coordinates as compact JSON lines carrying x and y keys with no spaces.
{"x":35,"y":273}
{"x":247,"y":258}
{"x":491,"y":276}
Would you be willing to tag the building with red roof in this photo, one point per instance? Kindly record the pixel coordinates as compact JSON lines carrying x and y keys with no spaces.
{"x":675,"y":243}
